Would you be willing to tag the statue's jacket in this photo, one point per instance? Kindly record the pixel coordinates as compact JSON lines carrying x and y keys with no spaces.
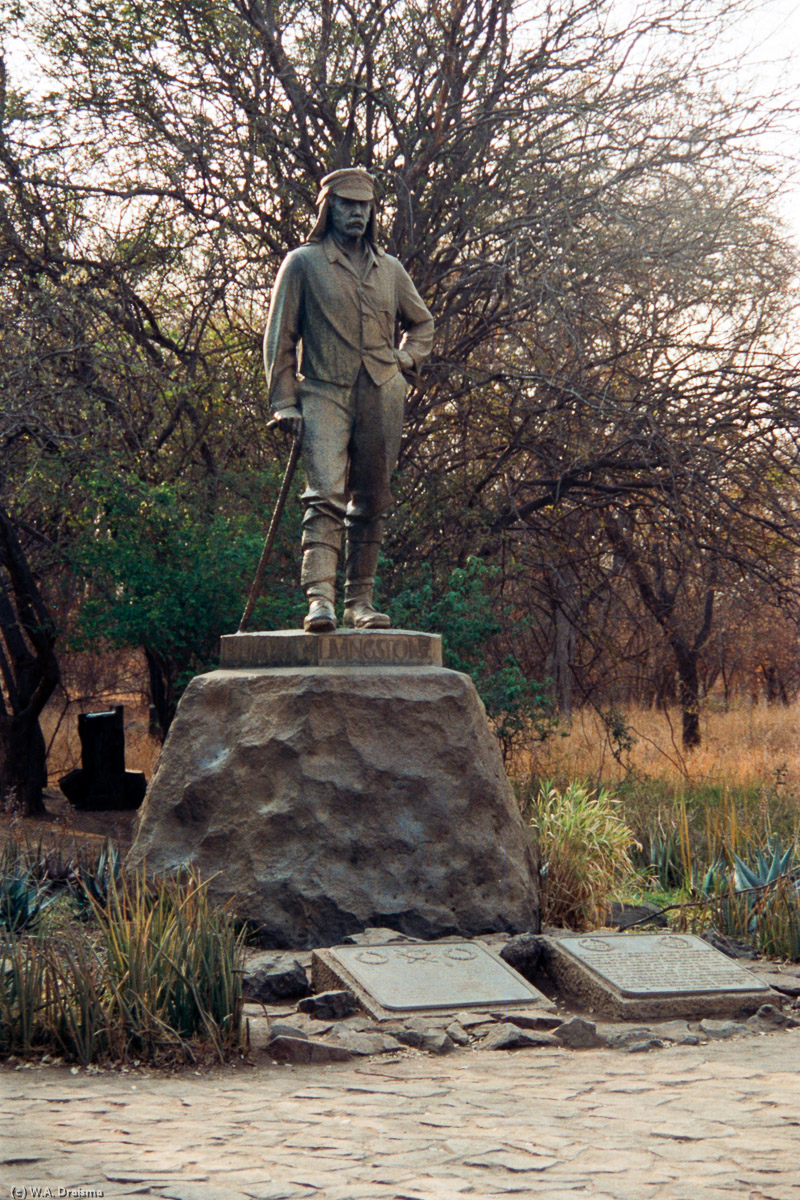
{"x":341,"y":320}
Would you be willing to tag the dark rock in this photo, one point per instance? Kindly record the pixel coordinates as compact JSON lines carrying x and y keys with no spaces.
{"x":728,"y":945}
{"x":329,"y":1006}
{"x":523,"y":953}
{"x":543,"y":1021}
{"x":720,"y":1030}
{"x":510,"y":1037}
{"x":630,"y":1037}
{"x":426,"y":1037}
{"x":623,"y":916}
{"x":480,"y":1031}
{"x":262,"y":1033}
{"x":675,"y":1031}
{"x":438,"y":1042}
{"x":645,"y":1044}
{"x":354,"y":1025}
{"x":304,"y":1050}
{"x":284,"y":1029}
{"x":272,"y":982}
{"x":785,"y":982}
{"x":470,"y":1019}
{"x":457,"y":1033}
{"x":362,"y":1044}
{"x":769,"y":1017}
{"x":579,"y":1034}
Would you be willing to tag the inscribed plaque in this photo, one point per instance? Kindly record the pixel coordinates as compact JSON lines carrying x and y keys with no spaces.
{"x":446,"y":975}
{"x":643,"y":965}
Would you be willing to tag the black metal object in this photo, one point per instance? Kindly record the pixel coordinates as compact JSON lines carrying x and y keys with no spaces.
{"x":101,"y":781}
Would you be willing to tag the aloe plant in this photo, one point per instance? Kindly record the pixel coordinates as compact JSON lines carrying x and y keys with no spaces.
{"x":22,"y":899}
{"x":98,"y":881}
{"x":759,"y":899}
{"x":663,"y":858}
{"x":23,"y":994}
{"x":768,"y":865}
{"x":715,"y":878}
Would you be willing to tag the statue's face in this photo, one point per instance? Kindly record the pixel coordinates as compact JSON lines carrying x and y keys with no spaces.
{"x":349,"y":218}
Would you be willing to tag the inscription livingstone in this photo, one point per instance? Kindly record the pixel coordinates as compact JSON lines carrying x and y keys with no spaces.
{"x":413,"y":978}
{"x":290,"y":648}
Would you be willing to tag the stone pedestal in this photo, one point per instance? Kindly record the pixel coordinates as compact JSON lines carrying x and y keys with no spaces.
{"x":328,"y":798}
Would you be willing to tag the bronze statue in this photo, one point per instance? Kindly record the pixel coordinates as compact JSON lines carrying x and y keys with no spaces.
{"x":340,"y":296}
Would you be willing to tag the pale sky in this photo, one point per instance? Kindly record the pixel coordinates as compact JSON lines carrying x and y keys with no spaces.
{"x":769,"y":37}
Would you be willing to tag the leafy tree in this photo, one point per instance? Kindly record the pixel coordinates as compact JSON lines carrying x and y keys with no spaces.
{"x":170,"y":579}
{"x":469,"y":614}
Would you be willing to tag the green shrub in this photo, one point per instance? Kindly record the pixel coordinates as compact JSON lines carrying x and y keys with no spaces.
{"x":583,"y":847}
{"x":466,"y":610}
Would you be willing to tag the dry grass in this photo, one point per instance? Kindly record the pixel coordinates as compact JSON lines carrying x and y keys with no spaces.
{"x":742,"y":783}
{"x":740,"y":788}
{"x":749,"y":748}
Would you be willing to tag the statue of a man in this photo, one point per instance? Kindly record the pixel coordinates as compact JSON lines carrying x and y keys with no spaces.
{"x":340,"y":296}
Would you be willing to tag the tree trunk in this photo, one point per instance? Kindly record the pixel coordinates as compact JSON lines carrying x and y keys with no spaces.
{"x":686,"y":658}
{"x":775,"y":689}
{"x":29,"y":674}
{"x":162,"y":690}
{"x":23,"y":764}
{"x":559,"y":666}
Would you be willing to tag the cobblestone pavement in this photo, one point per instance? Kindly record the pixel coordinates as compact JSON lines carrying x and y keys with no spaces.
{"x":710,"y":1122}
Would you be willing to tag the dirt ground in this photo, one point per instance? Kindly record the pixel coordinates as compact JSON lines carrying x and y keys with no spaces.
{"x":67,"y":827}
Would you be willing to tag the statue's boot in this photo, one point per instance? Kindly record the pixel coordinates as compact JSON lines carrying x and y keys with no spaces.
{"x":361,"y":560}
{"x":318,"y":579}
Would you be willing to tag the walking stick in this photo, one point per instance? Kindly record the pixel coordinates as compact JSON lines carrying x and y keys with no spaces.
{"x":255,"y":587}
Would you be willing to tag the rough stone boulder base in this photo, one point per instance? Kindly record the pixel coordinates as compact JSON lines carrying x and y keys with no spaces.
{"x":325,"y":800}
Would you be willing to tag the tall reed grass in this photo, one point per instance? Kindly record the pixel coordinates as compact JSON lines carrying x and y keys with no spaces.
{"x":155,"y":976}
{"x":583,"y":847}
{"x":742,"y":749}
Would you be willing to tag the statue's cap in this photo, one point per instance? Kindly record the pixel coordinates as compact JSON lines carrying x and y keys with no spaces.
{"x":354,"y":183}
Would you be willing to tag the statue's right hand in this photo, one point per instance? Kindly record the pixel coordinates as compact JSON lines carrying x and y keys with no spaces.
{"x":289,"y":420}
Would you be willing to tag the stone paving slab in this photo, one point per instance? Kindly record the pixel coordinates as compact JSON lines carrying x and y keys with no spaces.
{"x":713,"y":1122}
